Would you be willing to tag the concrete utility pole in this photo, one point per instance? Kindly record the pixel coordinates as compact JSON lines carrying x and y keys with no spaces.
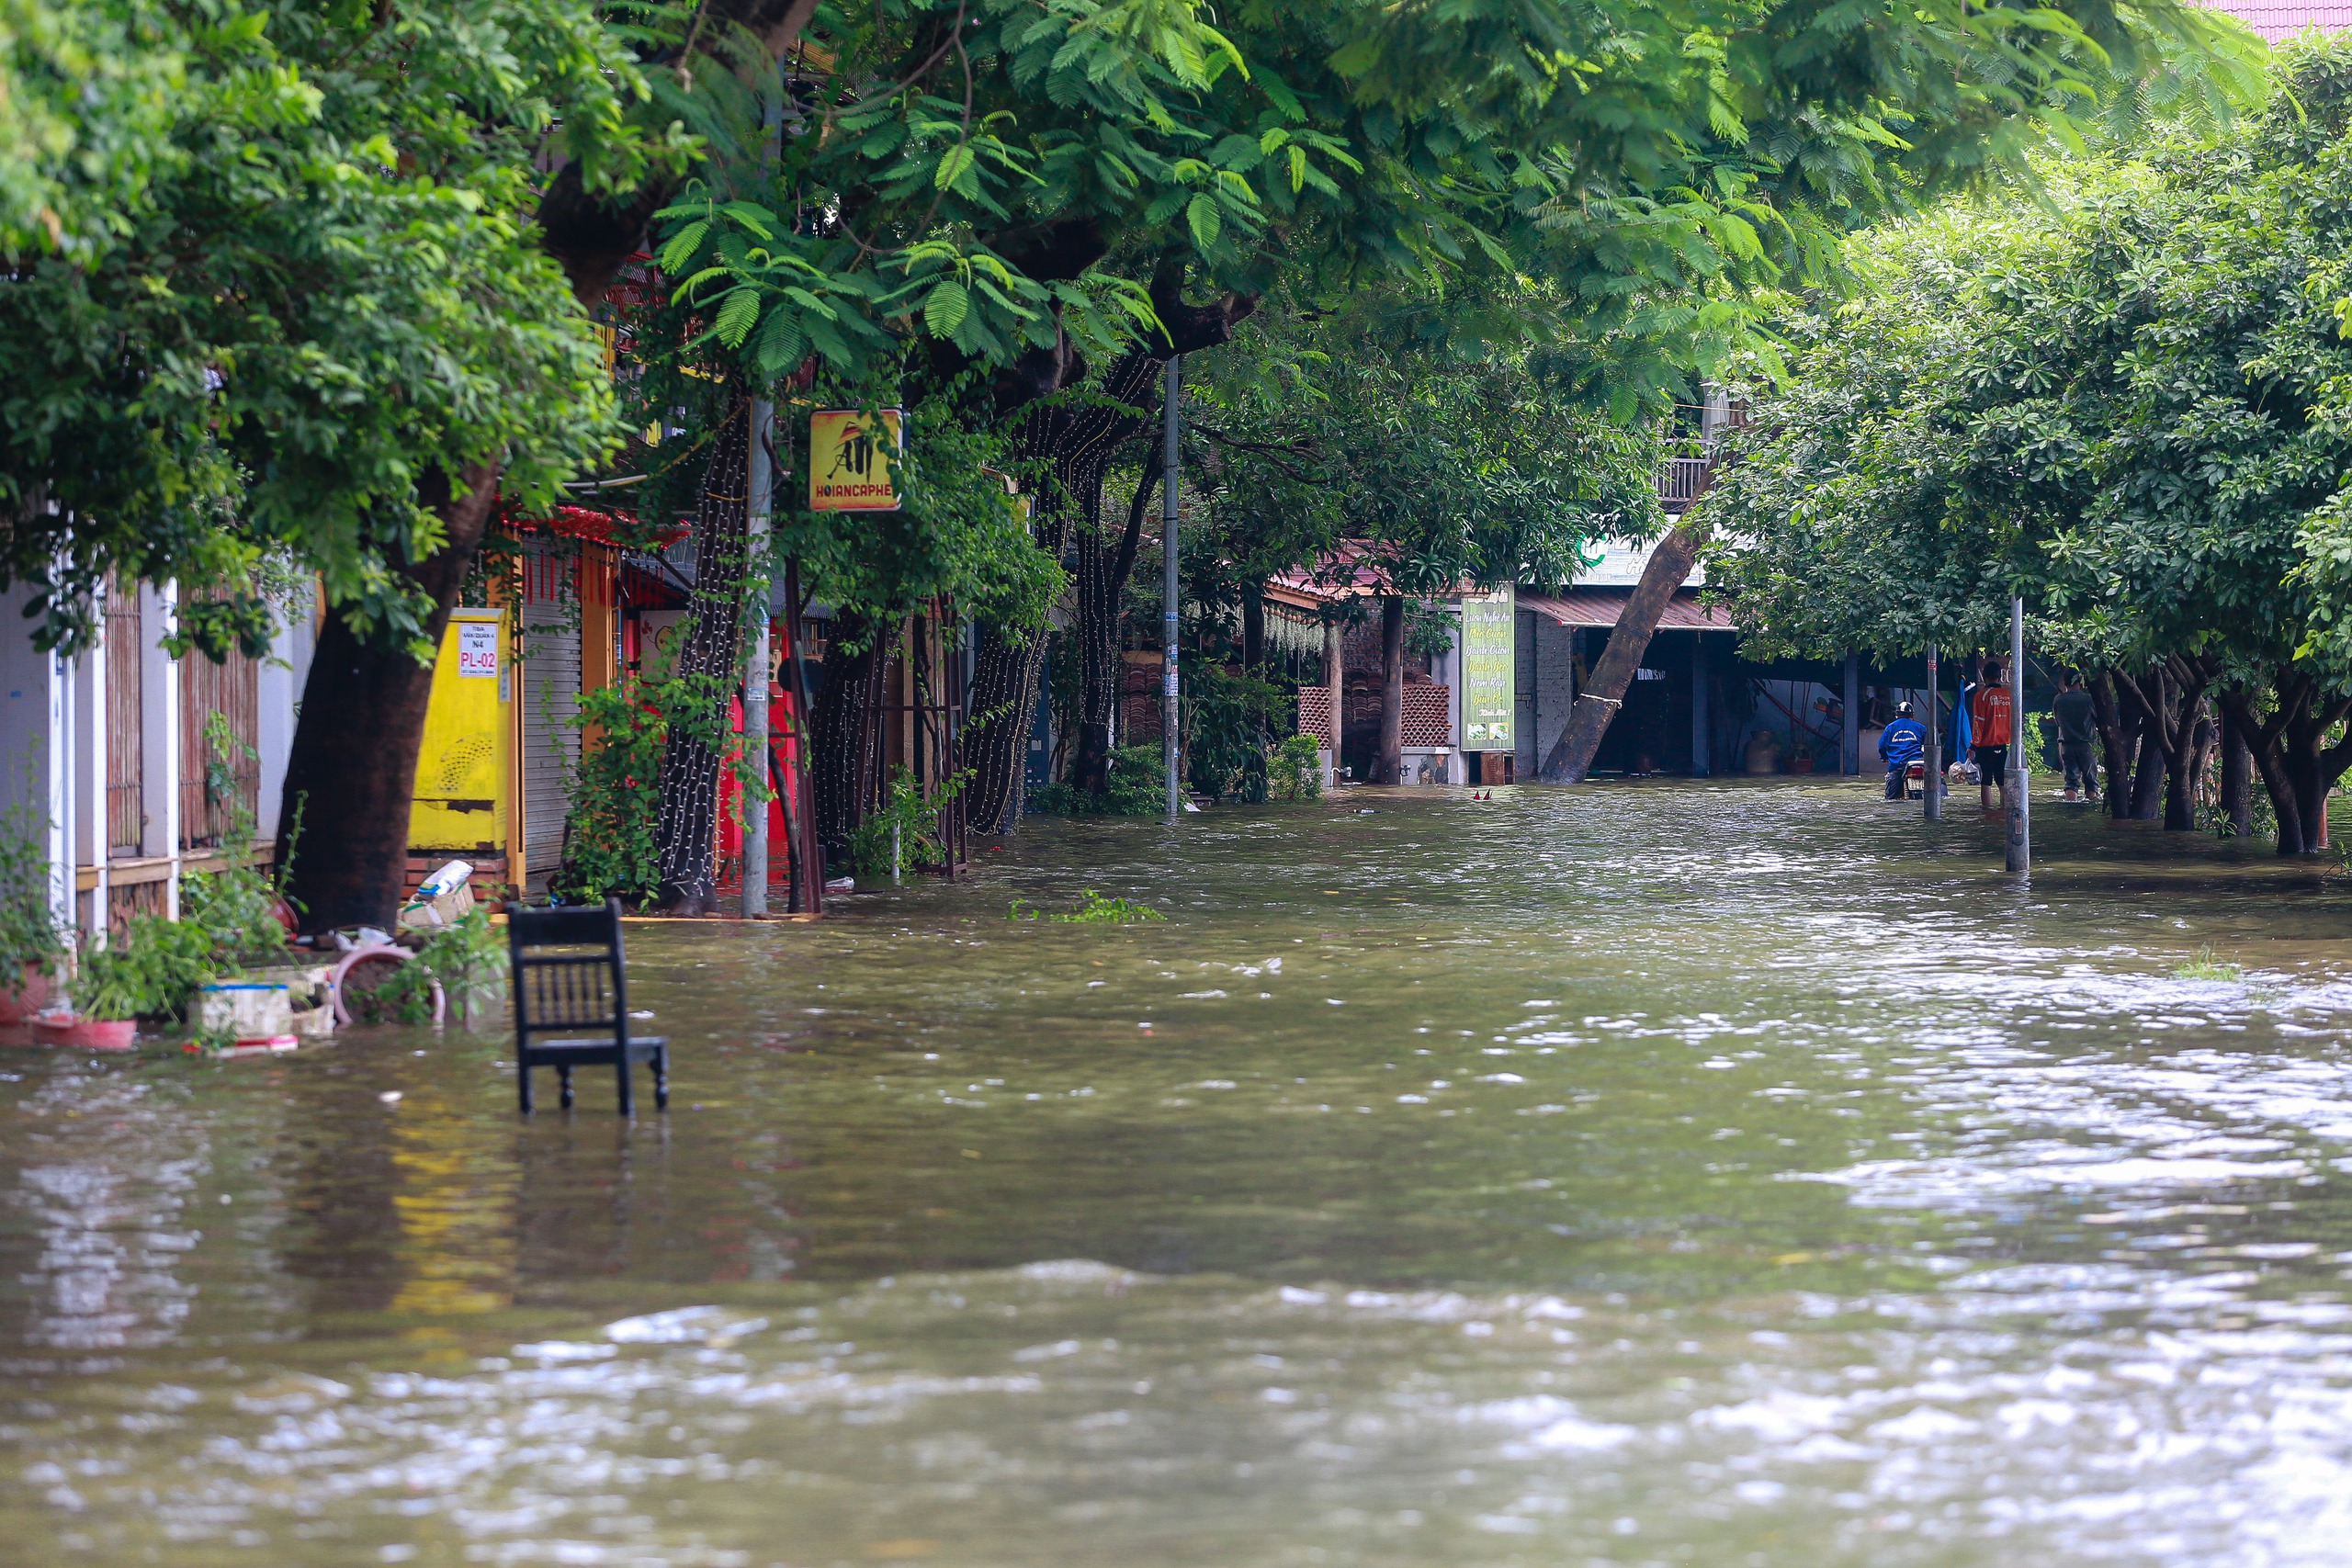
{"x":1932,"y":807}
{"x":761,"y":493}
{"x":1169,"y":691}
{"x":2020,"y":858}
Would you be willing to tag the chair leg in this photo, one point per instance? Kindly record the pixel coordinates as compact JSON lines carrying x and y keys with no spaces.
{"x":661,"y":1079}
{"x":523,"y":1085}
{"x":565,"y":1073}
{"x":628,"y":1085}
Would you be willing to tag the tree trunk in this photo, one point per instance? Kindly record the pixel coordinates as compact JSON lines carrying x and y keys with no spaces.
{"x":2147,"y":791}
{"x":1604,"y":693}
{"x":1388,"y":766}
{"x":2117,"y":738}
{"x":351,"y":769}
{"x":1079,"y":440}
{"x":1253,"y":628}
{"x":351,"y":775}
{"x":847,"y":742}
{"x":1103,"y":569}
{"x":1004,"y":712}
{"x":2237,"y":776}
{"x":710,"y":666}
{"x":2290,"y":754}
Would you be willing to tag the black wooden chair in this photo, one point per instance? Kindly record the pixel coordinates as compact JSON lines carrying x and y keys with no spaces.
{"x":571,"y":980}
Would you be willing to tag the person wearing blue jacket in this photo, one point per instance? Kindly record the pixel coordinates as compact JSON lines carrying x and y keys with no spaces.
{"x":1899,"y":745}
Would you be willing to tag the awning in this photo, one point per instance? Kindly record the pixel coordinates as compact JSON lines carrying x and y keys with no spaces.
{"x":1602,"y":606}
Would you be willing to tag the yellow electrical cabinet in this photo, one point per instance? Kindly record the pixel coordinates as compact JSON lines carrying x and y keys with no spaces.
{"x":463,"y":799}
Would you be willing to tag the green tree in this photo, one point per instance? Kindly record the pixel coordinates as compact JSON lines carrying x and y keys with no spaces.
{"x":2124,"y":405}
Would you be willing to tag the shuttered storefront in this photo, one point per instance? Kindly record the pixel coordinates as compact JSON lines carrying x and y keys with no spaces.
{"x":550,"y":696}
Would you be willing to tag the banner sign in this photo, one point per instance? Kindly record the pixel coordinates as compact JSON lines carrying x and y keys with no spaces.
{"x":851,"y":456}
{"x":1489,"y":670}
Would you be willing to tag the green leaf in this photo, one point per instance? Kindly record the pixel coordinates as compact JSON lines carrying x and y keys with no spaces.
{"x":1202,"y":216}
{"x":736,"y":312}
{"x":781,"y":346}
{"x":947,"y":308}
{"x":958,"y":158}
{"x":680,"y":248}
{"x":758,"y":219}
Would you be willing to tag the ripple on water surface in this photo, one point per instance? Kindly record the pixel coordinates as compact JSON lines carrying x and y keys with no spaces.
{"x":1686,"y":1174}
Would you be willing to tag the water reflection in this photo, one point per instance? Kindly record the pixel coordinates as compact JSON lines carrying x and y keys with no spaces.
{"x":1690,"y":1174}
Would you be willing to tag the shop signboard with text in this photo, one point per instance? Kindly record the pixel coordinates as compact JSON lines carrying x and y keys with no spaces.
{"x":1489,"y":668}
{"x":853,"y":459}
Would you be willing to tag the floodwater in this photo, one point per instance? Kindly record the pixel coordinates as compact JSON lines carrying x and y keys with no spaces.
{"x":1695,"y":1174}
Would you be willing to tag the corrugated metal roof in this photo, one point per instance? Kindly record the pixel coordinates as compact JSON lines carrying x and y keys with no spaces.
{"x":1602,"y":606}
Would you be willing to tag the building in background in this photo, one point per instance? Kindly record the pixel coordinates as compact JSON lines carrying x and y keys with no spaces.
{"x":143,"y":765}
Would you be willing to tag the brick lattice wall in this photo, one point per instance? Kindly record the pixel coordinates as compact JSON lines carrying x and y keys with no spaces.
{"x":1315,"y":714}
{"x":1429,"y":715}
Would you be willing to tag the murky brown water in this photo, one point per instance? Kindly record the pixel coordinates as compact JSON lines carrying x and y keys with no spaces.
{"x":1684,"y":1174}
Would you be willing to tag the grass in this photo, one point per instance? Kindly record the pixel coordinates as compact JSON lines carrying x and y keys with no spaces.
{"x":2208,"y":966}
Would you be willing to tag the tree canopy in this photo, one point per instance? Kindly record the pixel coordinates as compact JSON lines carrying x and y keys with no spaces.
{"x":2126,"y":403}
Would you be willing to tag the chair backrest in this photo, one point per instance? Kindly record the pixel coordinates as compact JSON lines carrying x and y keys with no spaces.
{"x":569,"y":971}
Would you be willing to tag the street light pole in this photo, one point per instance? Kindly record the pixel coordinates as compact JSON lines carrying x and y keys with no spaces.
{"x":1169,"y":415}
{"x":761,"y":496}
{"x":2020,"y":856}
{"x":1932,"y":807}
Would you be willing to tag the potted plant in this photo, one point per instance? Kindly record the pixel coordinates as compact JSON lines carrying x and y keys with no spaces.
{"x":148,"y":970}
{"x":31,"y":942}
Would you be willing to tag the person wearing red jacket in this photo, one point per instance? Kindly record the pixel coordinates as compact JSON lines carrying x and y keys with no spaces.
{"x":1992,"y":725}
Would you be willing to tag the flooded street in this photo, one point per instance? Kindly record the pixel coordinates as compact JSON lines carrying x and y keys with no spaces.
{"x":1703,"y":1174}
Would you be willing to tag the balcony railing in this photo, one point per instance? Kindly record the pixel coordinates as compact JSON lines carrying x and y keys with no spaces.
{"x":1682,"y":481}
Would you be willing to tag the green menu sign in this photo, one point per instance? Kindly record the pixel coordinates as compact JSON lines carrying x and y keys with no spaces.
{"x":1489,"y":670}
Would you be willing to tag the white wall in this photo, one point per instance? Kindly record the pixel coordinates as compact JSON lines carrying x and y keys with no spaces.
{"x":32,"y":737}
{"x":280,"y":684}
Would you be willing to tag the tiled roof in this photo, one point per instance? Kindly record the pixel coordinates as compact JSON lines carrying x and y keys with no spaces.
{"x":2276,"y":20}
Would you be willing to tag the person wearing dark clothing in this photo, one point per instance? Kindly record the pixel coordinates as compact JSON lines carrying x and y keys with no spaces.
{"x":2078,"y":737}
{"x":1899,"y":745}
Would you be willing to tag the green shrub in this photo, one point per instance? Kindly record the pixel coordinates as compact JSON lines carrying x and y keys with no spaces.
{"x":148,"y":969}
{"x":1093,"y":910}
{"x":1138,"y":787}
{"x":917,"y":821}
{"x":608,"y":838}
{"x":1229,"y":720}
{"x":1295,"y":769}
{"x":236,"y":907}
{"x":29,"y":932}
{"x":467,"y":958}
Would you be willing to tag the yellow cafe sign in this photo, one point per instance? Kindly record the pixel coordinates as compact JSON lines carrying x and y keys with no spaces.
{"x":852,"y":452}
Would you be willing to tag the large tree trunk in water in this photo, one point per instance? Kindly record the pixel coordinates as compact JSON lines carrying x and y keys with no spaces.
{"x":1604,"y":693}
{"x":710,"y":667}
{"x":2237,"y":776}
{"x":2117,"y":738}
{"x":1080,"y":441}
{"x":2167,"y":700}
{"x":352,"y":771}
{"x":1103,"y":571}
{"x":1004,"y":711}
{"x":846,"y":745}
{"x":1388,"y":763}
{"x":2148,"y":778}
{"x":2290,"y":754}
